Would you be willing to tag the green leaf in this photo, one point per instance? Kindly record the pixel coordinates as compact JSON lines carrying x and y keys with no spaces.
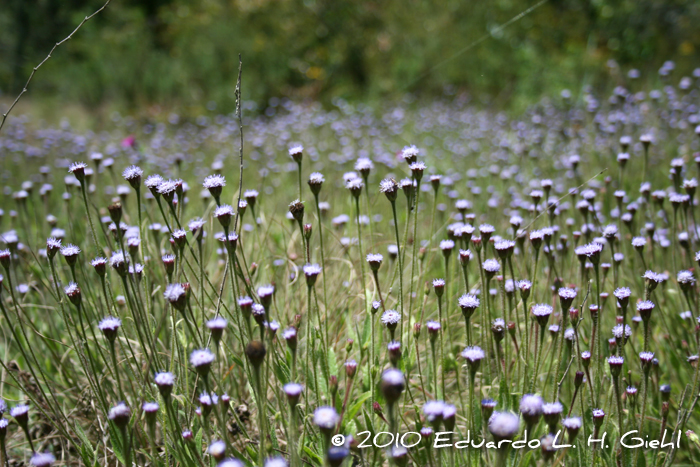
{"x":273,"y":438}
{"x":504,"y":394}
{"x":366,"y":333}
{"x":357,"y":405}
{"x":351,"y":426}
{"x":313,"y":455}
{"x":368,"y":421}
{"x":477,"y":416}
{"x":642,"y":460}
{"x":251,"y":392}
{"x":605,"y":456}
{"x":86,"y":444}
{"x":198,"y":440}
{"x":85,"y":454}
{"x":527,"y":459}
{"x":117,"y":445}
{"x":323,"y":378}
{"x":332,"y":362}
{"x":324,"y":370}
{"x":235,"y":359}
{"x":282,"y":371}
{"x":252,"y":452}
{"x":181,"y":334}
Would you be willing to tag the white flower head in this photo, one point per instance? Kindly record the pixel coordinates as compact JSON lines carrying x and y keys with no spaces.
{"x":639,"y":242}
{"x":504,"y":244}
{"x":542,"y":309}
{"x":570,"y":334}
{"x":110,"y":323}
{"x":531,"y":405}
{"x":121,"y":410}
{"x":685,"y":277}
{"x":117,"y":259}
{"x":266,"y":291}
{"x":364,"y":163}
{"x":274,"y":462}
{"x":132,"y":172}
{"x":77,"y":166}
{"x":150,"y":407}
{"x":409,"y":152}
{"x":164,"y":379}
{"x":217,"y":323}
{"x":167,"y":187}
{"x":153,"y":181}
{"x":289,"y":333}
{"x":504,"y":425}
{"x":491,"y":265}
{"x":447,"y":245}
{"x":214,"y":181}
{"x":622,"y":293}
{"x":619,"y":331}
{"x":293,"y":389}
{"x":296,"y":150}
{"x":433,"y":410}
{"x":70,"y":250}
{"x":316,"y":178}
{"x":374,"y":258}
{"x":326,"y":417}
{"x":174,"y":292}
{"x":224,"y":210}
{"x":312,"y":269}
{"x":473,"y":354}
{"x":354,"y":184}
{"x":230,"y":462}
{"x":393,"y":377}
{"x":196,"y":224}
{"x":552,"y":408}
{"x":388,"y":185}
{"x":391,"y":317}
{"x":201,"y":357}
{"x":42,"y":459}
{"x":572,"y":423}
{"x":417,"y":166}
{"x":616,"y":360}
{"x":71,"y":289}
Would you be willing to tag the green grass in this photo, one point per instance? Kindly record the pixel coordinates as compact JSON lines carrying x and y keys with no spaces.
{"x":55,"y":358}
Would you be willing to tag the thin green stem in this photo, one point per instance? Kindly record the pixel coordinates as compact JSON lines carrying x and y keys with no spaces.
{"x":398,"y":246}
{"x":89,"y":216}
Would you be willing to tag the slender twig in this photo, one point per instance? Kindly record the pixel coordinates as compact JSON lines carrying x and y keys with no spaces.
{"x":240,"y":149}
{"x":25,"y":88}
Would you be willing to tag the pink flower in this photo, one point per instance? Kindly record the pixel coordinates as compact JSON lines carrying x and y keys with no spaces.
{"x":129,"y":142}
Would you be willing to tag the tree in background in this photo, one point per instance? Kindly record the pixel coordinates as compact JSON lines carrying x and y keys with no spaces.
{"x":185,"y":51}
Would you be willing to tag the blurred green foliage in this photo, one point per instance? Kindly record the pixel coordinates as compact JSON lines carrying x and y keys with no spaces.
{"x":186,"y":52}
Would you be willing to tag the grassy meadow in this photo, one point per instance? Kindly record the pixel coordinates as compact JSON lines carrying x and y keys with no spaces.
{"x":430,"y":270}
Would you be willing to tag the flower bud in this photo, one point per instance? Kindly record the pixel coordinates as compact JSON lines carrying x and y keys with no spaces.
{"x":255,"y":351}
{"x":350,"y":368}
{"x":394,"y":349}
{"x":573,"y":315}
{"x":115,"y":212}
